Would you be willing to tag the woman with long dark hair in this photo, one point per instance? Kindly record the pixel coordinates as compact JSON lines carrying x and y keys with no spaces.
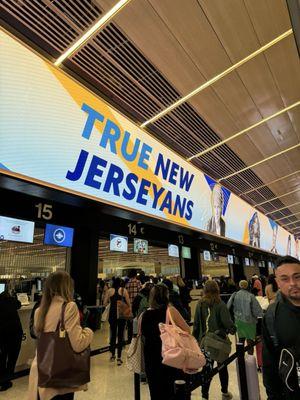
{"x":58,"y":290}
{"x":160,"y":377}
{"x":212,"y":315}
{"x":271,"y":288}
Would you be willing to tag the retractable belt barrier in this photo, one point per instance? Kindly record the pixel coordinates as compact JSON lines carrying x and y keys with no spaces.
{"x":26,"y":371}
{"x":183,"y":389}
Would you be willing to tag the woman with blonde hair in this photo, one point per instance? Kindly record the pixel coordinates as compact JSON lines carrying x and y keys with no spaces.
{"x":58,"y":291}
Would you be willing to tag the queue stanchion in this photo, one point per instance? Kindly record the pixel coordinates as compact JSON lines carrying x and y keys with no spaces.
{"x":180,"y":390}
{"x":242,"y":371}
{"x":137,"y":387}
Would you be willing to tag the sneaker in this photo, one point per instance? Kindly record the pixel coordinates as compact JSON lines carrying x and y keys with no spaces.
{"x":119,"y":361}
{"x":227,"y":396}
{"x":112,"y":358}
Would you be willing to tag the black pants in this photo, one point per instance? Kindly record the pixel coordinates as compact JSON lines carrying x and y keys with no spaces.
{"x":9,"y":351}
{"x":117,"y":328}
{"x":224,"y":378}
{"x":67,"y":396}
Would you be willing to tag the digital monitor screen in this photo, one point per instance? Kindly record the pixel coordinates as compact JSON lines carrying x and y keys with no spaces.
{"x":186,"y":252}
{"x":173,"y":250}
{"x":247,"y":262}
{"x":230,"y":259}
{"x":57,"y":235}
{"x":2,"y":287}
{"x":140,"y":246}
{"x":118,"y":243}
{"x":206,"y":255}
{"x":16,"y":230}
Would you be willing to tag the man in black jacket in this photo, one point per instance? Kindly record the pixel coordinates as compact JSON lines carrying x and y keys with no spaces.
{"x":10,"y":338}
{"x":281,"y":330}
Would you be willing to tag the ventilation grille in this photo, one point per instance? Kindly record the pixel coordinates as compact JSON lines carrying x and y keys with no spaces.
{"x":115,"y":66}
{"x":59,"y":23}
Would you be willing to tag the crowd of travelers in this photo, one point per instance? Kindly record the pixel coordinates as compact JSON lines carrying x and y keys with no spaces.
{"x":144,"y":305}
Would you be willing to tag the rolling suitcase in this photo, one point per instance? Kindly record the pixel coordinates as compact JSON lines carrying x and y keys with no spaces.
{"x":259,"y":355}
{"x":252,"y":378}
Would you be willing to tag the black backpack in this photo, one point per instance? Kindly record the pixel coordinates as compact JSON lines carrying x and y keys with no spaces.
{"x":287,"y":362}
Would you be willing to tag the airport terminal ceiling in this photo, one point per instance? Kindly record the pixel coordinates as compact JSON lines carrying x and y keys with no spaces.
{"x":153,"y":53}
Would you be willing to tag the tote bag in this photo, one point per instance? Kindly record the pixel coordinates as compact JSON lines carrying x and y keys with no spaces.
{"x":179,"y":348}
{"x":59,"y":366}
{"x":105,"y":314}
{"x":216,"y":346}
{"x":135,"y":355}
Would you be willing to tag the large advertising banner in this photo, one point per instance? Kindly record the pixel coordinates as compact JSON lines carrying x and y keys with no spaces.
{"x":57,"y":132}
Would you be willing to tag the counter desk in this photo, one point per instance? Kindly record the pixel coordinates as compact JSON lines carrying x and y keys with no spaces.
{"x":28,"y":345}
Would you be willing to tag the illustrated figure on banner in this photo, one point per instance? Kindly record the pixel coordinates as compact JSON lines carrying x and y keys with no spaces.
{"x":216,"y":223}
{"x":297,"y":248}
{"x":254,"y":231}
{"x":274,"y":237}
{"x":289,"y":246}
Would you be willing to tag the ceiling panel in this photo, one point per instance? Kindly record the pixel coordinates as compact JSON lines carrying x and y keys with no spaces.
{"x":147,"y":58}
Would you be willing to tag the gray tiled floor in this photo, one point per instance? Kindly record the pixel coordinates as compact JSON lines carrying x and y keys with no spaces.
{"x":110,"y":382}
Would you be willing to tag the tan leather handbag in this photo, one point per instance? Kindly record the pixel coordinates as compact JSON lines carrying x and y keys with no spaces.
{"x":123,"y":309}
{"x":59,"y":366}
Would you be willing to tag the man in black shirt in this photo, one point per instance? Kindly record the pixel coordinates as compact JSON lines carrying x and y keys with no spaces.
{"x":281,"y":330}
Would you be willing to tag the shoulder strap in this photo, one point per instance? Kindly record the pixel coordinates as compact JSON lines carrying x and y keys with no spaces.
{"x":169,"y":318}
{"x":123,"y":297}
{"x":270,"y":323}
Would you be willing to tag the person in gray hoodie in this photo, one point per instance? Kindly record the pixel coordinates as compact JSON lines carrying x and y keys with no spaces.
{"x":246,"y":311}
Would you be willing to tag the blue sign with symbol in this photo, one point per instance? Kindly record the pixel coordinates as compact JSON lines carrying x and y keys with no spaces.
{"x":58,"y":235}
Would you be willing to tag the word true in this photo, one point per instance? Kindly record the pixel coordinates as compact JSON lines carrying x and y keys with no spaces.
{"x":107,"y":177}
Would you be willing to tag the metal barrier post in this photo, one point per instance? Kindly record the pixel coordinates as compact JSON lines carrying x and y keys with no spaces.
{"x":242,"y":371}
{"x":180,"y":390}
{"x":137,"y":388}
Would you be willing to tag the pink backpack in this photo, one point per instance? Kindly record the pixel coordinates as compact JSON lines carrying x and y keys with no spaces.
{"x":179,"y":348}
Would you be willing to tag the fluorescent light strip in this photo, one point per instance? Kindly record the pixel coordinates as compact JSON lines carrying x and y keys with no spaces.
{"x":289,"y":216}
{"x":259,"y":162}
{"x":270,"y":183}
{"x":242,"y":132}
{"x":291,"y":223}
{"x":216,"y":78}
{"x":283,"y":208}
{"x":277,"y":197}
{"x":92,"y":31}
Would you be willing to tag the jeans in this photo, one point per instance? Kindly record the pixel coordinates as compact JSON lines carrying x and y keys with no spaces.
{"x":224,"y":378}
{"x":117,"y":328}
